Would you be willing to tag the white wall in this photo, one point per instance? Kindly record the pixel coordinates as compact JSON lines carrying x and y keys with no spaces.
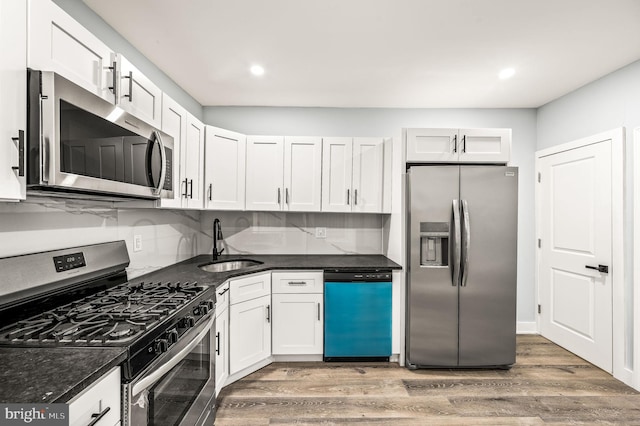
{"x":610,"y":102}
{"x":389,"y":123}
{"x":41,"y":224}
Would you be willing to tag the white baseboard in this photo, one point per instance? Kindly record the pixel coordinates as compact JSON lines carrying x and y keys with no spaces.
{"x":523,"y":327}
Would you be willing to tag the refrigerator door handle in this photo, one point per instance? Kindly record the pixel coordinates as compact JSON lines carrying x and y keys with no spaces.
{"x":466,"y":242}
{"x":456,"y":244}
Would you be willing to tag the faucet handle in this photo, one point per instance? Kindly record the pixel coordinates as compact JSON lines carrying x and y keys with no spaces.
{"x":220,"y":252}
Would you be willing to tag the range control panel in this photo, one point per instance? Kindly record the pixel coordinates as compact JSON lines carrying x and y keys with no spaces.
{"x":69,"y":261}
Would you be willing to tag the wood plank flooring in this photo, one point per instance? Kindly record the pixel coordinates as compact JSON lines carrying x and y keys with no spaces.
{"x":546,"y":386}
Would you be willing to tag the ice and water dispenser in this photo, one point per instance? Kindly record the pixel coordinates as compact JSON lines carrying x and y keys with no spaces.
{"x":434,"y":244}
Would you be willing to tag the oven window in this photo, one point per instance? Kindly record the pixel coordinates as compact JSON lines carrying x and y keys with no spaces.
{"x":171,"y":397}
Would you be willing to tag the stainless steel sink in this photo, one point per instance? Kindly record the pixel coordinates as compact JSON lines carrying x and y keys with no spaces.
{"x":229,"y":265}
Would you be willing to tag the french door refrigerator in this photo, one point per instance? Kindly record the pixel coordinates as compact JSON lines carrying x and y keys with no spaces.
{"x":461,"y":278}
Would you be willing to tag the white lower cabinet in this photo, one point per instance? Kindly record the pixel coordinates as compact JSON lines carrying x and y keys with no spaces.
{"x":249,"y":321}
{"x":222,"y":336}
{"x":298,"y":313}
{"x":297,"y":324}
{"x":100,"y":402}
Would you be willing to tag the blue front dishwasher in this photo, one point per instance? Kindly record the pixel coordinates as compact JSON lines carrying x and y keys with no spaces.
{"x":357,"y":315}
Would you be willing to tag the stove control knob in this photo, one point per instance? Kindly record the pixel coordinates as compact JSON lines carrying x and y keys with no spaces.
{"x":172,"y":336}
{"x":188,"y":322}
{"x":208,"y":303}
{"x":204,"y":309}
{"x":161,"y":345}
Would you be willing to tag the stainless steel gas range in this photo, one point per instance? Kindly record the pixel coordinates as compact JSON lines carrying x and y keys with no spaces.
{"x":81,"y":297}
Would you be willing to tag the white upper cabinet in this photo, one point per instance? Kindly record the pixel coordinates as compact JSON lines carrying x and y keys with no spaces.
{"x":137,"y":94}
{"x":57,"y":42}
{"x":352,"y":174}
{"x":368,"y":157}
{"x":194,"y":163}
{"x":458,"y":145}
{"x":302,"y":173}
{"x":265,"y":173}
{"x":174,"y":123}
{"x":13,"y":109}
{"x":224,"y":166}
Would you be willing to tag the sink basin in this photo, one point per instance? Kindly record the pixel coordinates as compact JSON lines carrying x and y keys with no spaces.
{"x":229,"y":265}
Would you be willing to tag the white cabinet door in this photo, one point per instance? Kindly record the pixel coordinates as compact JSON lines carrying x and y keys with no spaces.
{"x":302,"y":173}
{"x":265,"y":173}
{"x":222,"y":346}
{"x":174,"y":123}
{"x":336,"y":174}
{"x":103,"y":395}
{"x":137,"y":94}
{"x":485,"y":145}
{"x":249,"y":333}
{"x":194,"y":161}
{"x":57,"y":42}
{"x":249,"y":287}
{"x":225,"y":155}
{"x":368,"y":167}
{"x":458,"y":145}
{"x":297,"y":324}
{"x":13,"y":109}
{"x":432,"y":145}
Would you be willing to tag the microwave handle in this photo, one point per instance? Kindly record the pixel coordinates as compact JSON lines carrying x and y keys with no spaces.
{"x":163,"y":369}
{"x":163,"y":163}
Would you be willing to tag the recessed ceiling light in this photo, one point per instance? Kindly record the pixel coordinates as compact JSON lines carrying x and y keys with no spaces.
{"x":506,"y":73}
{"x":257,"y":70}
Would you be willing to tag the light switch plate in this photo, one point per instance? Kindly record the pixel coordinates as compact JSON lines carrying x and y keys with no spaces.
{"x":137,"y":242}
{"x":321,"y":232}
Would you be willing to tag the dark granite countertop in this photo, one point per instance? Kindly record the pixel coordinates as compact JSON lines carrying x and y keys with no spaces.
{"x":46,"y":375}
{"x":188,"y":270}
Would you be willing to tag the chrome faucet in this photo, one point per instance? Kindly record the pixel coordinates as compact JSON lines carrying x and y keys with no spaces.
{"x":217,"y":235}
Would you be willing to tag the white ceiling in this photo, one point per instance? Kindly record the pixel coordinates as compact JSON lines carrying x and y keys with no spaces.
{"x":380,"y":53}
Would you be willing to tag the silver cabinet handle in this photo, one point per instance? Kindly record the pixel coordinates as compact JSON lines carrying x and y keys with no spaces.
{"x":218,"y":343}
{"x":210,"y":191}
{"x":455,"y":144}
{"x":318,"y":311}
{"x":223,"y":291}
{"x":268,"y":313}
{"x":21,"y":157}
{"x":286,"y":195}
{"x":297,"y":283}
{"x":98,"y":416}
{"x":456,"y":243}
{"x":278,"y":195}
{"x":355,"y":197}
{"x":464,"y":143}
{"x":348,"y":196}
{"x":466,"y":238}
{"x":186,"y":186}
{"x":130,"y":77}
{"x":191,"y":188}
{"x":114,"y":80}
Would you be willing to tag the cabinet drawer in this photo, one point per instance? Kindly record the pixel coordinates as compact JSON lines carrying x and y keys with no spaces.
{"x":102,"y":395}
{"x":250,"y":287}
{"x":222,"y":297}
{"x":297,"y":282}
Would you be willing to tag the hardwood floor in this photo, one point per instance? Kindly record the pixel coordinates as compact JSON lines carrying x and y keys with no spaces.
{"x":546,"y":386}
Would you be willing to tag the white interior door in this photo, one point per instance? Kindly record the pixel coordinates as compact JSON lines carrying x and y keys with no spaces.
{"x":575,"y":219}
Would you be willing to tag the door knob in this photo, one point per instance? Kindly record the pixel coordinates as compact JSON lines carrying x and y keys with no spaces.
{"x":600,"y":268}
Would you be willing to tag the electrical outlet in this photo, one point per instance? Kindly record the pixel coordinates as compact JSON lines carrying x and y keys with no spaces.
{"x":137,"y":242}
{"x":321,"y":232}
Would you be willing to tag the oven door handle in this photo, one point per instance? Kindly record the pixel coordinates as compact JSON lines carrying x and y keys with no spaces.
{"x":163,"y":369}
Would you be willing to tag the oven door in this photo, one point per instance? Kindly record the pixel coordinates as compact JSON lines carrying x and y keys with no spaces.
{"x":179,"y":388}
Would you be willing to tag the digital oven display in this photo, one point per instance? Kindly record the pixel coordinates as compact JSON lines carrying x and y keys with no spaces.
{"x":69,"y":261}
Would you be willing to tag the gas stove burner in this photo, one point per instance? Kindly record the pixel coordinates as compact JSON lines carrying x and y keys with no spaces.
{"x":119,"y":334}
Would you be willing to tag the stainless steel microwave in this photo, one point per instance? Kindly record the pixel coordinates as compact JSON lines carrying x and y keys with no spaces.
{"x":81,"y":146}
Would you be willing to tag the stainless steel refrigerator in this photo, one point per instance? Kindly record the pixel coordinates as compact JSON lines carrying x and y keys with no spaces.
{"x":461,"y":278}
